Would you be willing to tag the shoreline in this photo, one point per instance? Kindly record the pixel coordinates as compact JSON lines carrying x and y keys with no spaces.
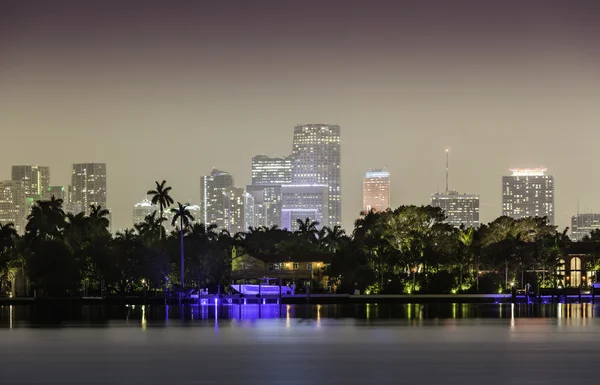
{"x":333,"y":299}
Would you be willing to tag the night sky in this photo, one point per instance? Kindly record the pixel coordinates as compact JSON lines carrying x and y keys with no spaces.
{"x":171,"y":89}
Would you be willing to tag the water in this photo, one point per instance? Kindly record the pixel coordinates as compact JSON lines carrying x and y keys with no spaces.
{"x":318,"y":344}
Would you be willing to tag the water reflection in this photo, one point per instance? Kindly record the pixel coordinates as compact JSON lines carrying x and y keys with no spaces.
{"x":411,"y":314}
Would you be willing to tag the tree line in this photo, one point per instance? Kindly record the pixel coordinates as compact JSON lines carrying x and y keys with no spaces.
{"x":406,"y":250}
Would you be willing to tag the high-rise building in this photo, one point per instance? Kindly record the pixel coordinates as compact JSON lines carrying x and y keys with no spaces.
{"x":13,"y":208}
{"x":58,"y":192}
{"x":302,"y":202}
{"x":268,"y":175}
{"x":36,"y":179}
{"x":376,"y":190}
{"x":212,"y":188}
{"x":142,"y":209}
{"x":460,"y":209}
{"x":238,"y":210}
{"x":88,"y":186}
{"x":271,"y":170}
{"x":316,"y":161}
{"x":528,"y":193}
{"x":267,"y":202}
{"x":583,"y":224}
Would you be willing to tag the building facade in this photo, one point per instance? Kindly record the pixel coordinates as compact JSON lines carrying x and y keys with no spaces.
{"x":528,"y":193}
{"x":460,"y":209}
{"x":316,"y":159}
{"x":141,"y":210}
{"x":268,"y":175}
{"x":13,"y":207}
{"x":304,"y":201}
{"x":212,"y":188}
{"x":376,"y":191}
{"x":583,"y":224}
{"x":88,"y":186}
{"x":36,"y":180}
{"x":58,"y":192}
{"x":271,"y":170}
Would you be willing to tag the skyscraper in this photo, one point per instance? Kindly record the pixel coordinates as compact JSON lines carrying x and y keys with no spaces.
{"x":268,"y":175}
{"x":36,"y":180}
{"x":583,"y":224}
{"x":304,"y":201}
{"x":88,"y":186}
{"x":143,"y":209}
{"x":316,"y":157}
{"x":12,"y":204}
{"x":460,"y":209}
{"x":58,"y":192}
{"x":528,"y":193}
{"x":271,"y":170}
{"x":212,"y":188}
{"x":376,"y":190}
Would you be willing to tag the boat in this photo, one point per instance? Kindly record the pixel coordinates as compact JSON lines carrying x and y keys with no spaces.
{"x":267,"y":286}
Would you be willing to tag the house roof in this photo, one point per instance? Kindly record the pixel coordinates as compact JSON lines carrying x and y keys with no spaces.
{"x":278,"y":258}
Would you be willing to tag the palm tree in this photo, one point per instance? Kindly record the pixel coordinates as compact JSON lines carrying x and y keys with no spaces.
{"x":308,"y":228}
{"x":150,"y":226}
{"x":161,"y":197}
{"x":99,"y":217}
{"x":332,"y":237}
{"x":183,"y":215}
{"x":46,"y":219}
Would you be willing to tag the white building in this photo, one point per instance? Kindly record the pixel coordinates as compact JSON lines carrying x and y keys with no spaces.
{"x":528,"y":193}
{"x":304,"y":201}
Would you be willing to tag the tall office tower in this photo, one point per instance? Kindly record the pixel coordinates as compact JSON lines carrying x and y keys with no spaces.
{"x":88,"y":186}
{"x":583,"y":224}
{"x":528,"y":193}
{"x":36,"y":180}
{"x":13,"y":208}
{"x":271,"y":170}
{"x":269,"y":173}
{"x":304,"y":201}
{"x":267,"y":202}
{"x":211,"y":196}
{"x":376,"y":190}
{"x":460,"y":209}
{"x":238,"y":210}
{"x":316,"y":161}
{"x":143,"y":209}
{"x":58,"y":192}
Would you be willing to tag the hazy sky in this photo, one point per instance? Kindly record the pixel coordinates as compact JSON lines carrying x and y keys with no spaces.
{"x":171,"y":89}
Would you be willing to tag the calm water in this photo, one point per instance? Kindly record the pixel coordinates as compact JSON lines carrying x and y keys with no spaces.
{"x":319,"y":344}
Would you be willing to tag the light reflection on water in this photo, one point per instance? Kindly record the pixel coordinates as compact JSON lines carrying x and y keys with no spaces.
{"x":12,"y":316}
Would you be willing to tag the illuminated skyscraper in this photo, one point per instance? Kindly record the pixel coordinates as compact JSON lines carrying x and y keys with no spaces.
{"x":460,"y":209}
{"x":36,"y":180}
{"x":271,"y":170}
{"x":583,"y":224}
{"x":12,"y":204}
{"x":528,"y":193}
{"x":88,"y":186}
{"x":143,"y":209}
{"x":301,"y":202}
{"x":376,"y":191}
{"x":268,"y":175}
{"x":316,"y":161}
{"x":212,"y":188}
{"x":58,"y":192}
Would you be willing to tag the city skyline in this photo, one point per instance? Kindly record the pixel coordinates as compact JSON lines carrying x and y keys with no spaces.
{"x":501,"y":84}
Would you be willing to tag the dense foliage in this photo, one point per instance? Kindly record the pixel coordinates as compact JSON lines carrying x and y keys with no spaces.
{"x":409,"y":249}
